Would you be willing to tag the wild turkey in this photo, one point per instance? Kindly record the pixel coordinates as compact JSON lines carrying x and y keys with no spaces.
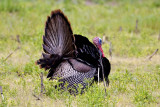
{"x":70,"y":57}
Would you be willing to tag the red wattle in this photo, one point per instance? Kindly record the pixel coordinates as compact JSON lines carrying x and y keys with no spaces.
{"x":100,"y":48}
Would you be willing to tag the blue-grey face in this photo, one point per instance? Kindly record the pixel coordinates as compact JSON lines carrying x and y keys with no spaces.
{"x":100,"y":41}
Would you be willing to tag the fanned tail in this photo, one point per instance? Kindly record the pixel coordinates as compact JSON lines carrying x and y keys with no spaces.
{"x":58,"y":41}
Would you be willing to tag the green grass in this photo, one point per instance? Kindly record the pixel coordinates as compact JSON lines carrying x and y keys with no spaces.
{"x":134,"y":80}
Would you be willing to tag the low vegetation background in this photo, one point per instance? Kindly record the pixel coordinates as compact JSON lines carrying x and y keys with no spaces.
{"x":132,"y":31}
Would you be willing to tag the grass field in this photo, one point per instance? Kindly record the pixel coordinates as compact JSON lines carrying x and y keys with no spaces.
{"x":134,"y":80}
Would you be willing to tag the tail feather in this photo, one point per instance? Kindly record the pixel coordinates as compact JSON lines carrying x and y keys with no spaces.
{"x":58,"y":41}
{"x":45,"y":55}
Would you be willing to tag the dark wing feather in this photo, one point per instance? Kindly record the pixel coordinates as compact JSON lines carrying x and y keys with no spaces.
{"x":79,"y":66}
{"x":86,"y":51}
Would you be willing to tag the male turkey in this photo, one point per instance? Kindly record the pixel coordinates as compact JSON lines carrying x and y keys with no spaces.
{"x":71,"y":58}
